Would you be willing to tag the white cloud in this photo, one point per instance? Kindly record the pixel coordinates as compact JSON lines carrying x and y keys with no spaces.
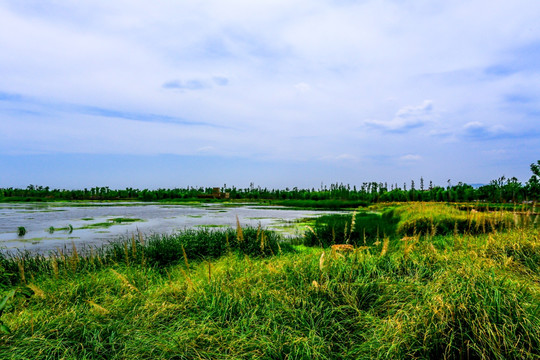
{"x":410,"y":157}
{"x":406,"y":118}
{"x":479,"y":130}
{"x":206,"y":149}
{"x":340,"y":157}
{"x":268,"y":72}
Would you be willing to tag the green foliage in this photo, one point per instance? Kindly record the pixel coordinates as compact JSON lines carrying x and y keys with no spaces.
{"x":535,"y":168}
{"x":21,"y":231}
{"x":367,"y":228}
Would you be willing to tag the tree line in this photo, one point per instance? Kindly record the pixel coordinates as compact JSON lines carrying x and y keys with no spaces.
{"x":501,"y":190}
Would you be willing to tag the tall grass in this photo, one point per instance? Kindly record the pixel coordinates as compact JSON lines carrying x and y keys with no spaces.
{"x":155,"y":250}
{"x":359,"y":229}
{"x":456,"y":296}
{"x":432,"y":218}
{"x":427,"y":219}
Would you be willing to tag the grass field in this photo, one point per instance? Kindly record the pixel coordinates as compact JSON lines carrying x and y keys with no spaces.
{"x":244,"y":293}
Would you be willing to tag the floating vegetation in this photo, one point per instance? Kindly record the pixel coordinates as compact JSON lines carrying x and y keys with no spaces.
{"x":97,"y":225}
{"x":21,"y":231}
{"x":31,"y":240}
{"x":211,"y":226}
{"x":110,"y":222}
{"x":124,"y":220}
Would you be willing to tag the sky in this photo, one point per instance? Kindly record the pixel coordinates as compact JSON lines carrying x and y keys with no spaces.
{"x":281,"y":93}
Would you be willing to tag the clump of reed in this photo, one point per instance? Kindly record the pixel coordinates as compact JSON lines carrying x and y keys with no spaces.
{"x":427,"y":218}
{"x":359,"y":229}
{"x":160,"y":250}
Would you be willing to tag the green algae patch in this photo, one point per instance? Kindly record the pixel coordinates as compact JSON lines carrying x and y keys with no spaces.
{"x":110,"y":222}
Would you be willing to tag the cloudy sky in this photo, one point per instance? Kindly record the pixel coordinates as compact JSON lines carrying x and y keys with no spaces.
{"x":281,"y":93}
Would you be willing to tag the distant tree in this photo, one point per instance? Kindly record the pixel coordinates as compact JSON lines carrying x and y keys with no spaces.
{"x":535,"y":168}
{"x":532,"y":187}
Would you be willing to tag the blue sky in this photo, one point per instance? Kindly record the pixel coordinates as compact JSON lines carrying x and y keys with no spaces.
{"x":280,"y":93}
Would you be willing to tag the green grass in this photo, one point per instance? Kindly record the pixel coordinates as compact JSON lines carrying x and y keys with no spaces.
{"x":435,"y":218}
{"x":219,"y":295}
{"x":368,"y":228}
{"x":331,"y":204}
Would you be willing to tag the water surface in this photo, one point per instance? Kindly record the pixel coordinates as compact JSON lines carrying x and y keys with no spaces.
{"x":93,"y":223}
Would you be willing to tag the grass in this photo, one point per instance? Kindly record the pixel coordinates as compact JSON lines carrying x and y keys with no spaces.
{"x":223,"y":295}
{"x":332,"y":204}
{"x":366,"y":229}
{"x":426,"y":218}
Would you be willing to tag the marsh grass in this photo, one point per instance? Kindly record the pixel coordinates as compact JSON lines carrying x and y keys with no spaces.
{"x":462,"y":296}
{"x":359,"y":229}
{"x":331,"y":204}
{"x":426,"y":218}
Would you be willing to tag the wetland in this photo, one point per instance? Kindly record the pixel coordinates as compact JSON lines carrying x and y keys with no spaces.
{"x":49,"y":226}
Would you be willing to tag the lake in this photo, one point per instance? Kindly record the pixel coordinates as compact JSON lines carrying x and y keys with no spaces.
{"x":56,"y":225}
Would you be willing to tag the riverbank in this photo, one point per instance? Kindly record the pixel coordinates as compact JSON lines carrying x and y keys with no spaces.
{"x":430,"y":296}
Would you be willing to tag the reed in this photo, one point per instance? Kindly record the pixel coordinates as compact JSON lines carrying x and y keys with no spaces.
{"x":125,"y":282}
{"x":360,"y":228}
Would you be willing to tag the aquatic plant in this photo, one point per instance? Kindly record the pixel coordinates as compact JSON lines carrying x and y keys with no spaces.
{"x":21,"y":231}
